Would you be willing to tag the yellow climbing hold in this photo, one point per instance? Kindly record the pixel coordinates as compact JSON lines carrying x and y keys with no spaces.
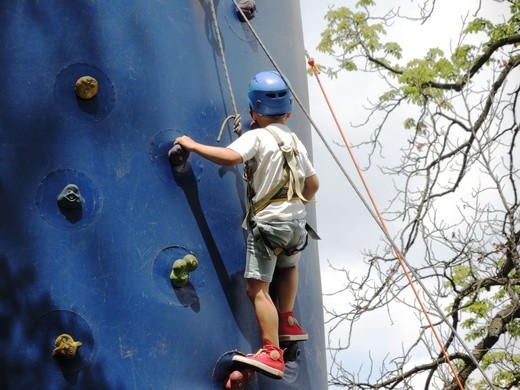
{"x":66,"y":347}
{"x":86,"y":87}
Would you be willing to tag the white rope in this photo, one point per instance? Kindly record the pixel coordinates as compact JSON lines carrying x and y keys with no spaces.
{"x":237,"y":128}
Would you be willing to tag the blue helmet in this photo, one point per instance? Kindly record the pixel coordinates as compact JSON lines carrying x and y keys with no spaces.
{"x":269,"y":95}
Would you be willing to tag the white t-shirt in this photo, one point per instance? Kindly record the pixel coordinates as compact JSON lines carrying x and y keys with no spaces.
{"x":261,"y":146}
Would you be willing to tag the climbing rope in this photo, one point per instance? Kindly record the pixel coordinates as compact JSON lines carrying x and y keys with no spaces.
{"x":237,"y":125}
{"x":397,"y":252}
{"x":402,"y":260}
{"x":377,"y":216}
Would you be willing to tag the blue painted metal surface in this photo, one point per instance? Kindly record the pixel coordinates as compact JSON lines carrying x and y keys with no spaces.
{"x":101,"y":273}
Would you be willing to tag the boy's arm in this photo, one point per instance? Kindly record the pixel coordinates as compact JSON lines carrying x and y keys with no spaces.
{"x":216,"y":154}
{"x":310,"y":187}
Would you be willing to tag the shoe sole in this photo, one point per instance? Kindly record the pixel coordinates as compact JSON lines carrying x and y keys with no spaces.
{"x":293,"y":337}
{"x":259,"y":366}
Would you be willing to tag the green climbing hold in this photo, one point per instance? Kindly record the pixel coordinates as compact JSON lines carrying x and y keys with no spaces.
{"x":181,"y":269}
{"x":191,"y":263}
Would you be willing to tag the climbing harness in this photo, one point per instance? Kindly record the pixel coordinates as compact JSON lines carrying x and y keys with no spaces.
{"x":268,"y":247}
{"x":288,"y":183}
{"x":289,"y":186}
{"x":237,"y":125}
{"x":377,"y":217}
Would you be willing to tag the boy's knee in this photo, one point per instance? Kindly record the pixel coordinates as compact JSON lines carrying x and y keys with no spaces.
{"x":255,"y":287}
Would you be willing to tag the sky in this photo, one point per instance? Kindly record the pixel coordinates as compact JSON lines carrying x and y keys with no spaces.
{"x":346,"y":228}
{"x":348,"y":95}
{"x":344,"y":224}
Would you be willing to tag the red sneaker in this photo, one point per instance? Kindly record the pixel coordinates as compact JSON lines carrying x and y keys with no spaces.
{"x":289,"y":329}
{"x":268,"y":360}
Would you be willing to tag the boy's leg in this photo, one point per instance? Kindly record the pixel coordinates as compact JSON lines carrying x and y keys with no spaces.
{"x":287,"y":288}
{"x":269,"y":359}
{"x":265,"y":310}
{"x":289,"y":329}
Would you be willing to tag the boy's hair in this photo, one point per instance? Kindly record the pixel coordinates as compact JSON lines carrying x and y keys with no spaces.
{"x":275,"y":116}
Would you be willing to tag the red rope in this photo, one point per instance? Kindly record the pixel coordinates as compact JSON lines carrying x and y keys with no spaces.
{"x":383,"y":225}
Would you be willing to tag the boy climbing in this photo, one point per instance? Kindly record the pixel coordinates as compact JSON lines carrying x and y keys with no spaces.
{"x":281,"y":179}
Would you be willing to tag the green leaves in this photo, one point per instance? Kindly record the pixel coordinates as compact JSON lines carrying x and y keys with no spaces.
{"x":479,"y":25}
{"x":393,"y":49}
{"x":461,"y":275}
{"x":495,"y":32}
{"x":356,"y":39}
{"x":348,"y":31}
{"x":501,"y":377}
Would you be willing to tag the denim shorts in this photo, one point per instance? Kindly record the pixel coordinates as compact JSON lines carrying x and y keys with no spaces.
{"x":260,"y":264}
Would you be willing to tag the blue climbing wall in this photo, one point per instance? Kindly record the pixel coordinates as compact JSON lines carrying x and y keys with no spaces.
{"x":101,"y":273}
